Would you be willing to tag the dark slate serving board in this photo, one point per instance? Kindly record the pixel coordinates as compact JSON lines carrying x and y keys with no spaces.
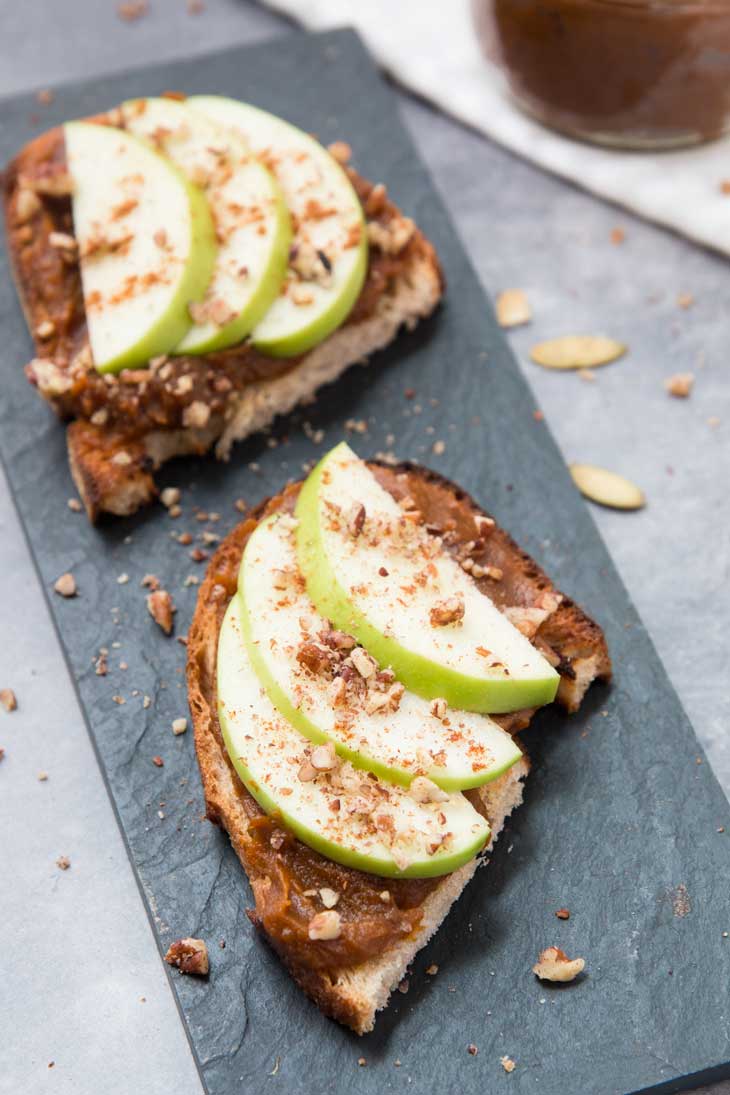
{"x":622,"y":814}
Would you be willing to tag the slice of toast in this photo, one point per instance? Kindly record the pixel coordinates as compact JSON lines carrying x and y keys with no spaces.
{"x":352,"y":992}
{"x":124,"y":427}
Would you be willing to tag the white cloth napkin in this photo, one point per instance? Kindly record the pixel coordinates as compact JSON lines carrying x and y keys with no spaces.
{"x":430,"y":47}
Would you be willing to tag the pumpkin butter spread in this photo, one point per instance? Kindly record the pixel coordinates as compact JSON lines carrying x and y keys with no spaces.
{"x":174,"y":392}
{"x":291,"y":881}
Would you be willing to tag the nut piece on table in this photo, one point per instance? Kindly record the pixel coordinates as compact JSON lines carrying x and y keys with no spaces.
{"x":65,"y":585}
{"x":450,"y":611}
{"x":554,"y":965}
{"x":512,"y":308}
{"x":8,"y":699}
{"x":189,"y":955}
{"x":161,"y":608}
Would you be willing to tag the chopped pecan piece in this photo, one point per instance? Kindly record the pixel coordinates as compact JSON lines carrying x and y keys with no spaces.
{"x":8,"y":699}
{"x":315,"y":657}
{"x":325,"y":925}
{"x":449,"y":611}
{"x":189,"y":955}
{"x":65,"y":585}
{"x":161,"y":608}
{"x":424,"y":790}
{"x":553,"y":964}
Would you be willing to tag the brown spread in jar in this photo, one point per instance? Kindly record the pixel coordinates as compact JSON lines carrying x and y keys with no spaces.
{"x":635,"y":73}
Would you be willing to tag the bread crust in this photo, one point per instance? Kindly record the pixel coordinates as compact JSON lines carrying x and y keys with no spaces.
{"x":353,"y":995}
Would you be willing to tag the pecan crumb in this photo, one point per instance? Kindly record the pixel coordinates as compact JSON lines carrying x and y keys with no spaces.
{"x":133,"y":10}
{"x":449,"y":611}
{"x":553,"y":964}
{"x":189,"y":955}
{"x":158,"y":762}
{"x":563,"y":914}
{"x":63,"y":862}
{"x":325,"y":925}
{"x":356,"y":520}
{"x":424,"y":790}
{"x":329,"y":897}
{"x":472,"y":1050}
{"x":680,"y":385}
{"x":161,"y":608}
{"x":66,"y":585}
{"x":8,"y":699}
{"x":340,"y":151}
{"x":438,"y":708}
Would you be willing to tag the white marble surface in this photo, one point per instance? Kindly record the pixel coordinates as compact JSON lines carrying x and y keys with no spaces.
{"x":81,"y":952}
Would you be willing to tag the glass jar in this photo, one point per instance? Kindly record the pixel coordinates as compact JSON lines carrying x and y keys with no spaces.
{"x":629,"y":73}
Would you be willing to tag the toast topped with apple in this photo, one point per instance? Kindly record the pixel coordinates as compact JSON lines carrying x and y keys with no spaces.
{"x":365,"y":647}
{"x":191,"y":268}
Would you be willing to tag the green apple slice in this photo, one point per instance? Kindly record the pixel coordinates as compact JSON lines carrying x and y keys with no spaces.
{"x":329,"y":252}
{"x":392,"y":733}
{"x":384,"y":580}
{"x":347,"y":815}
{"x":250,"y":215}
{"x":126,"y":199}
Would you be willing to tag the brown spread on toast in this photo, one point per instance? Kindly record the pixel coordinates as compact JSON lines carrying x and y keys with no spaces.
{"x":160,"y":396}
{"x":286,"y":876}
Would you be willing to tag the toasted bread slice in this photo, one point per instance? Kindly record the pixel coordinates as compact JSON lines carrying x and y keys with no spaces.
{"x":124,"y":427}
{"x":351,"y":992}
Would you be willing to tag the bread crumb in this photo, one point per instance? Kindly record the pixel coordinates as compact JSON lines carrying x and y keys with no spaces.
{"x":685,"y":300}
{"x":63,"y":862}
{"x":432,"y":970}
{"x":42,"y":777}
{"x":507,"y":1063}
{"x":563,"y":914}
{"x":74,"y":505}
{"x":170,"y":496}
{"x":179,"y":726}
{"x":618,"y":235}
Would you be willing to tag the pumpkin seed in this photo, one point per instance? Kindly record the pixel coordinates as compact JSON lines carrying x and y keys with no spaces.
{"x":513,"y":308}
{"x":577,"y":352}
{"x":606,"y":487}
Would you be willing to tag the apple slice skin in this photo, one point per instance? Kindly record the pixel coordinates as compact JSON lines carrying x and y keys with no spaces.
{"x":359,"y":759}
{"x":251,"y":180}
{"x":175,"y":322}
{"x":419,"y":674}
{"x":230,"y":650}
{"x":305,"y":335}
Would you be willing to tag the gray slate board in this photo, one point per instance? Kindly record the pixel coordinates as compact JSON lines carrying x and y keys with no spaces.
{"x":621,"y":817}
